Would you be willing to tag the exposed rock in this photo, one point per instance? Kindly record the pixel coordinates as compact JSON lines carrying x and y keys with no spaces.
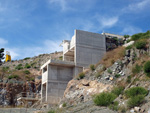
{"x":132,"y":111}
{"x":84,"y":89}
{"x":137,"y":109}
{"x":111,"y":78}
{"x":85,"y":82}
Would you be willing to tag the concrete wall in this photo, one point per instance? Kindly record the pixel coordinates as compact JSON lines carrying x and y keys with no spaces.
{"x":89,"y":49}
{"x":60,"y":73}
{"x":58,"y":79}
{"x":72,"y":43}
{"x":77,"y":70}
{"x":66,"y":46}
{"x":44,"y":77}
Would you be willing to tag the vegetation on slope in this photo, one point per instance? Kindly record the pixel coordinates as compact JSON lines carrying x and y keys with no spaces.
{"x":104,"y":99}
{"x":141,"y":40}
{"x":139,"y":65}
{"x":112,"y":56}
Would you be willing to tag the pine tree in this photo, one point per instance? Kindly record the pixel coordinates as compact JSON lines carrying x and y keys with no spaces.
{"x":1,"y":55}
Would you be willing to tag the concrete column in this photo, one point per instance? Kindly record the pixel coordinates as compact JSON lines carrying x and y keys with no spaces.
{"x":41,"y":93}
{"x":48,"y":74}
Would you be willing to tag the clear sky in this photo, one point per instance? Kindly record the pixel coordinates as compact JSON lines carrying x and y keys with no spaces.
{"x":33,"y":27}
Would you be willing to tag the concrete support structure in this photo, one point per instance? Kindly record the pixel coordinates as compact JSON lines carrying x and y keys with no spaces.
{"x":85,"y":48}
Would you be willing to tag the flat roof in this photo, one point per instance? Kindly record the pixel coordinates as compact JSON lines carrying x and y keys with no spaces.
{"x":59,"y":63}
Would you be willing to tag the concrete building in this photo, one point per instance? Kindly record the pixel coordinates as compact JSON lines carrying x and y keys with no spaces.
{"x":83,"y":49}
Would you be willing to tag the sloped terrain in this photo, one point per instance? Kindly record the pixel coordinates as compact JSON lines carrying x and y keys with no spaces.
{"x":22,"y":76}
{"x":123,"y":72}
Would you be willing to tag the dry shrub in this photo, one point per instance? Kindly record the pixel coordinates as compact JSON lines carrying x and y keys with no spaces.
{"x":86,"y":71}
{"x":112,"y":56}
{"x":121,"y":83}
{"x":141,"y":61}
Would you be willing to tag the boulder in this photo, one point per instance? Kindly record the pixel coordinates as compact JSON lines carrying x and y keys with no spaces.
{"x":137,"y":109}
{"x":85,"y":82}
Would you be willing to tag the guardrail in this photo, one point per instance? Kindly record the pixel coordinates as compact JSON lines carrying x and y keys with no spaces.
{"x":28,"y":95}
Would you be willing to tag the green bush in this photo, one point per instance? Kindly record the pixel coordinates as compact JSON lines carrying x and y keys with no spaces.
{"x":135,"y":101}
{"x":129,"y":47}
{"x":117,"y":75}
{"x":32,"y":64}
{"x":27,"y":76}
{"x":114,"y":106}
{"x":104,"y":68}
{"x":27,"y":66}
{"x":122,"y":109}
{"x":26,"y":72}
{"x":115,"y":38}
{"x":10,"y":77}
{"x":51,"y":111}
{"x":64,"y":105}
{"x":117,"y":90}
{"x":136,"y":36}
{"x":13,"y":76}
{"x":128,"y":79}
{"x":26,"y":58}
{"x":109,"y":71}
{"x":141,"y":36}
{"x":104,"y":99}
{"x":128,"y":40}
{"x":19,"y":66}
{"x":5,"y":68}
{"x":32,"y":79}
{"x":81,"y":76}
{"x":136,"y":69}
{"x":147,"y":68}
{"x":134,"y":91}
{"x":61,"y":58}
{"x":35,"y":67}
{"x":141,"y":44}
{"x":126,"y":36}
{"x":92,"y":67}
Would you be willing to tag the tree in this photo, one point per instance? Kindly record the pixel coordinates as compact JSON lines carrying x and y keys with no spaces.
{"x":126,"y":36}
{"x":1,"y":55}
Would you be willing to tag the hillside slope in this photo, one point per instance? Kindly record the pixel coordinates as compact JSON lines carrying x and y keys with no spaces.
{"x":123,"y":74}
{"x":22,"y":76}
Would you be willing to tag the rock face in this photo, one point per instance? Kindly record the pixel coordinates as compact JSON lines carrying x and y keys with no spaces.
{"x":9,"y":92}
{"x":83,"y":90}
{"x":78,"y":94}
{"x":27,"y":81}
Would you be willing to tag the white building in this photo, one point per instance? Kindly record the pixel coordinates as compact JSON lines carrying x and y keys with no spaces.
{"x":85,"y":48}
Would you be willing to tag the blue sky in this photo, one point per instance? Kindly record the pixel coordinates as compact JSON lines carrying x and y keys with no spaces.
{"x":33,"y":27}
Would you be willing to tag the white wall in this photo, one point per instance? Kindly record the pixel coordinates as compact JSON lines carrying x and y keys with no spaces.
{"x":44,"y":77}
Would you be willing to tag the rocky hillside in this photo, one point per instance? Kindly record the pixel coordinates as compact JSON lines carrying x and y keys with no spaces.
{"x":27,"y":66}
{"x":120,"y":82}
{"x":22,"y":76}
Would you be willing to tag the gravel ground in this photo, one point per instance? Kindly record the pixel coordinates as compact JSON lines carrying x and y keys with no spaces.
{"x":20,"y":110}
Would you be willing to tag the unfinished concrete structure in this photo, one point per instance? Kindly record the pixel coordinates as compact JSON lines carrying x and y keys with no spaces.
{"x":85,"y":48}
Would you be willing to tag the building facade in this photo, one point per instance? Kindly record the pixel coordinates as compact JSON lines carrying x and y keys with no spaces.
{"x":83,"y":49}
